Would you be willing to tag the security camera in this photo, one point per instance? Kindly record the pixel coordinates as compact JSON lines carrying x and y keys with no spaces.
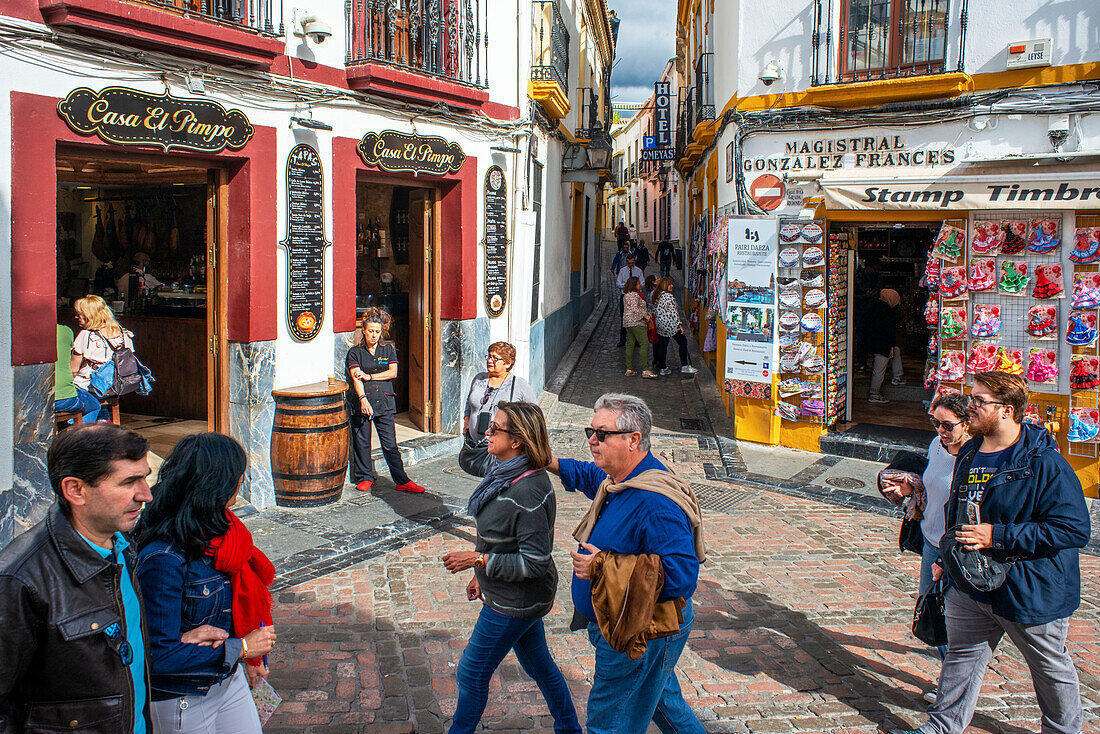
{"x":310,"y":26}
{"x":771,"y":73}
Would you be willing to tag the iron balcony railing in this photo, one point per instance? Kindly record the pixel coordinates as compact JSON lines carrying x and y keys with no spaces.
{"x":255,"y":15}
{"x":704,"y":90}
{"x":884,"y":39}
{"x":588,"y":117}
{"x":550,"y":57}
{"x":444,"y":38}
{"x":681,"y":123}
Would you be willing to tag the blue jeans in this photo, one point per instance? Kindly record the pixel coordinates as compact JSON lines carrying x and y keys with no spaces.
{"x":84,"y":401}
{"x":627,"y":694}
{"x":493,"y":636}
{"x":666,"y":267}
{"x":927,"y":557}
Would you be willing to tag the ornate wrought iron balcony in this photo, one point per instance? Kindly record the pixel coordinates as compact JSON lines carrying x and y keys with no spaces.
{"x":704,"y":90}
{"x":550,"y":59}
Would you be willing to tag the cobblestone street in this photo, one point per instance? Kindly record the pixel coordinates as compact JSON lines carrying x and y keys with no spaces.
{"x":802,"y":609}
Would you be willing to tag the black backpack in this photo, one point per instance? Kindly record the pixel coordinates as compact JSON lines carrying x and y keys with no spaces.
{"x":127,"y":376}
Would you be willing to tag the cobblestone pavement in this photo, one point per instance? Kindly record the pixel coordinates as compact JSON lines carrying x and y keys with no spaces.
{"x":801,"y":623}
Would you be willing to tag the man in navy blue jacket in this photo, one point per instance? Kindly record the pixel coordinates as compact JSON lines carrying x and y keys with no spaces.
{"x":627,"y":694}
{"x":1015,"y":495}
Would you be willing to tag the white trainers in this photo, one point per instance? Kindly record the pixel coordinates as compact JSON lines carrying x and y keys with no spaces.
{"x":877,"y":399}
{"x":666,"y":371}
{"x":687,"y":369}
{"x":897,"y":381}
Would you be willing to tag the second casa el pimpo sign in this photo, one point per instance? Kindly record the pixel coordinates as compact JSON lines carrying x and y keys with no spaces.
{"x":400,"y":152}
{"x":130,"y":117}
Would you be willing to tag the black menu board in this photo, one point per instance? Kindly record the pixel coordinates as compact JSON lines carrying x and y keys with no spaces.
{"x":305,"y":242}
{"x":496,"y":241}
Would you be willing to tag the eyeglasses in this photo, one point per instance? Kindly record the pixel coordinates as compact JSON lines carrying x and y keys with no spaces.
{"x":494,"y":429}
{"x":493,"y":358}
{"x":945,"y":425}
{"x":601,"y":434}
{"x":977,"y":401}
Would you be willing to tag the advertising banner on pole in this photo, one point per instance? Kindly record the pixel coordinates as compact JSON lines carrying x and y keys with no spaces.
{"x":751,"y":346}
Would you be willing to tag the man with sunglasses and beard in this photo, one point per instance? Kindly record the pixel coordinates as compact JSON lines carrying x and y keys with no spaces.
{"x":639,"y":507}
{"x":1013,"y":495}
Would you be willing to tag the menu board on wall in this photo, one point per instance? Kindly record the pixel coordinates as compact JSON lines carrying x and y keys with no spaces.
{"x":751,"y":353}
{"x":305,"y":242}
{"x":496,"y":241}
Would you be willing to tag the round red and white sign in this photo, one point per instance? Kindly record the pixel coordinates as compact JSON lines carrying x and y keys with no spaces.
{"x":768,"y":192}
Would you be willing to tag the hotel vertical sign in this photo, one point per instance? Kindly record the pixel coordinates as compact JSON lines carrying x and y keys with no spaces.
{"x":662,"y":113}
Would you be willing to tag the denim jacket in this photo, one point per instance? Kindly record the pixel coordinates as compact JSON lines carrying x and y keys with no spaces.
{"x":182,"y":594}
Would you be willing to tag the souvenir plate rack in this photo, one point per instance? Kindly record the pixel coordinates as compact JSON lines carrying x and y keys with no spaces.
{"x":801,"y":322}
{"x":838,"y":288}
{"x":1084,"y":403}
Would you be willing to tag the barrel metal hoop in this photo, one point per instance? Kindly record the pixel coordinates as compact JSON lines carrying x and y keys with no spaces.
{"x":311,"y":429}
{"x":309,"y":477}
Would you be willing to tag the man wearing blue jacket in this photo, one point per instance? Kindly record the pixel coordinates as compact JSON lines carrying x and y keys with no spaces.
{"x":1014,"y":494}
{"x":627,"y":694}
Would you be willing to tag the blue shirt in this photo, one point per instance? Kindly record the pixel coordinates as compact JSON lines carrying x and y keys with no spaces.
{"x":635,"y":521}
{"x":132,"y":608}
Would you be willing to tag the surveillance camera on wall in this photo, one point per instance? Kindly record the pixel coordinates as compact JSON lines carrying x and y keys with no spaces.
{"x":310,"y":26}
{"x":771,"y":73}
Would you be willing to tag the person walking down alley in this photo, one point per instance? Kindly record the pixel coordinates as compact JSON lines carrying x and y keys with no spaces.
{"x":1015,"y":500}
{"x":514,"y":573}
{"x":880,"y":338}
{"x":668,"y":327}
{"x":622,"y":234}
{"x":664,"y":258}
{"x":642,"y":518}
{"x":627,"y":271}
{"x":635,"y":318}
{"x":371,"y":367}
{"x":641,"y":256}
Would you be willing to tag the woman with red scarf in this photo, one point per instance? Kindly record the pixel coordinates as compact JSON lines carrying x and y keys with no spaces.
{"x":197,"y":567}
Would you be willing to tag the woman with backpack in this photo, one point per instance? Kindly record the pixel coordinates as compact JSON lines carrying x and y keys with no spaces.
{"x":100,"y":335}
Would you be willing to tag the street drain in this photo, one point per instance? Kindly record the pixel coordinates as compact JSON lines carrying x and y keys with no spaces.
{"x":845,"y":483}
{"x":692,"y":424}
{"x":718,"y":499}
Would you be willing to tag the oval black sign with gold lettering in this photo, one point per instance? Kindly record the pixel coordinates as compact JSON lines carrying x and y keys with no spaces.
{"x":393,"y":151}
{"x":129,"y":117}
{"x":305,"y":242}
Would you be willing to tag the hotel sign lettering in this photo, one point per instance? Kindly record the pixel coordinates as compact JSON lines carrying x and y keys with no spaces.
{"x":129,"y":117}
{"x":400,"y":152}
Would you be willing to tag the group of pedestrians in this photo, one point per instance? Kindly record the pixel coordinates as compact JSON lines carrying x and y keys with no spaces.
{"x":1002,"y":518}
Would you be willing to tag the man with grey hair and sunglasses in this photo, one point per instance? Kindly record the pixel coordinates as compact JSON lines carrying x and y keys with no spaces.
{"x":639,"y":507}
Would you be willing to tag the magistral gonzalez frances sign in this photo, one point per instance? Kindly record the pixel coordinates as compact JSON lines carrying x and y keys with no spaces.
{"x":400,"y":152}
{"x":899,"y":194}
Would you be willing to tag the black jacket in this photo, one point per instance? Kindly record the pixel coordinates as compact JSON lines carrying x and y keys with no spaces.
{"x":58,"y":671}
{"x":880,"y":328}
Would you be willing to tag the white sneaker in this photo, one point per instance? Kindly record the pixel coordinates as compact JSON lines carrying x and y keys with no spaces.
{"x":687,"y":369}
{"x":897,"y":381}
{"x":877,"y":399}
{"x":930,"y":696}
{"x":666,"y":371}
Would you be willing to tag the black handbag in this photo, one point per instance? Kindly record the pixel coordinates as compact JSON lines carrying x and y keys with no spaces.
{"x":930,"y":618}
{"x":474,"y":458}
{"x":974,"y":571}
{"x":911,"y":538}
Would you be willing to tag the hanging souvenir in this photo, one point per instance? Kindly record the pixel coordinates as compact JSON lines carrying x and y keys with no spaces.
{"x":812,"y":233}
{"x":786,"y":410}
{"x":982,"y":358}
{"x":1041,"y":322}
{"x":953,"y":282}
{"x":813,"y":365}
{"x":952,"y":322}
{"x":1082,"y":328}
{"x":1043,"y":236}
{"x":789,"y":285}
{"x":1031,"y":415}
{"x":987,"y":321}
{"x":814,"y":281}
{"x":983,"y":275}
{"x":790,"y":300}
{"x":987,"y":238}
{"x":1014,"y":278}
{"x":788,"y":257}
{"x":949,"y":243}
{"x":710,"y":341}
{"x":1085,"y":371}
{"x":813,"y":408}
{"x":943,"y":390}
{"x":931,"y":312}
{"x":1010,"y":361}
{"x":789,"y":233}
{"x":790,"y":386}
{"x":1015,"y":236}
{"x":811,"y":322}
{"x":1042,"y":365}
{"x":1048,"y":281}
{"x":932,"y":272}
{"x":933,"y":343}
{"x":811,"y":390}
{"x":1086,"y":245}
{"x":1086,"y":290}
{"x":787,"y":339}
{"x":814,"y":298}
{"x":812,"y":257}
{"x":788,"y":321}
{"x":952,"y":366}
{"x":1084,"y":424}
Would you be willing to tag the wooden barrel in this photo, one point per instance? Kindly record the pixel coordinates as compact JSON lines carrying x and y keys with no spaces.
{"x":309,"y":444}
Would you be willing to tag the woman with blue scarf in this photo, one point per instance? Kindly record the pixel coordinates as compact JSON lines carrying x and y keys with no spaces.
{"x":514,"y":573}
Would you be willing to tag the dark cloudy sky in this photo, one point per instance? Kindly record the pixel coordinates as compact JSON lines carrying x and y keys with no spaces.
{"x":647,"y":40}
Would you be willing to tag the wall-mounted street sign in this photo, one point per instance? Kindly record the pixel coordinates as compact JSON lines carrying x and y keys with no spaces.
{"x":662,"y":113}
{"x":649,"y":142}
{"x":395,"y":151}
{"x":496,"y":241}
{"x":305,"y":242}
{"x":659,"y":154}
{"x":129,"y":117}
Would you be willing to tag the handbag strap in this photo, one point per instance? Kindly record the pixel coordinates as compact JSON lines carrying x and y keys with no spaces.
{"x":524,"y":475}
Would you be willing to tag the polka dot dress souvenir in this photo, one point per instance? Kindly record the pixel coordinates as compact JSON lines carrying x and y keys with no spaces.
{"x":1042,"y":365}
{"x":986,"y":322}
{"x":1086,"y":290}
{"x":931,"y":312}
{"x":1084,"y":371}
{"x":983,"y":275}
{"x":1015,"y":236}
{"x":1043,"y":236}
{"x":953,"y":282}
{"x":952,"y":366}
{"x":1042,"y":322}
{"x":982,"y":358}
{"x":1086,"y":249}
{"x":1081,"y":331}
{"x":1014,"y":279}
{"x":932,"y":272}
{"x":987,"y":239}
{"x":952,"y":322}
{"x":949,"y":243}
{"x":1049,"y":282}
{"x":1084,"y":425}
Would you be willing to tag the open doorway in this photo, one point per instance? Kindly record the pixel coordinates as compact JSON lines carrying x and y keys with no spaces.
{"x":143,"y":234}
{"x":397,"y":269}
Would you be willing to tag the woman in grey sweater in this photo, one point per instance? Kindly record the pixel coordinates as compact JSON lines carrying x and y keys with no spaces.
{"x":514,"y":573}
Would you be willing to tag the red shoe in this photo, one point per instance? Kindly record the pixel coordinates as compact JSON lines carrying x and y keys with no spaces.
{"x":410,"y":486}
{"x":364,"y":486}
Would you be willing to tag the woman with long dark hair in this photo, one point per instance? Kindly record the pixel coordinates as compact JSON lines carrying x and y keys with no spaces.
{"x":197,"y":566}
{"x":371,"y":367}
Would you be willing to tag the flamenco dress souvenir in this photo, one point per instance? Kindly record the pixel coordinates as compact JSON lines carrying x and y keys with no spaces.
{"x":1041,"y":322}
{"x":1085,"y":372}
{"x":1086,"y":290}
{"x":987,"y":321}
{"x":1014,"y":278}
{"x":1081,"y":428}
{"x":790,"y":300}
{"x":812,"y":233}
{"x":814,"y":281}
{"x":933,"y":344}
{"x":788,"y":257}
{"x":1086,"y":248}
{"x":949,"y":243}
{"x":987,"y":238}
{"x":1010,"y":361}
{"x":953,"y":282}
{"x":786,"y":410}
{"x":982,"y":358}
{"x":931,"y":312}
{"x":789,"y":233}
{"x":952,"y":367}
{"x":1031,"y":415}
{"x":1015,"y":236}
{"x":932,"y":272}
{"x":943,"y":390}
{"x":811,"y":322}
{"x":951,"y":325}
{"x":1082,"y":329}
{"x":1041,"y":365}
{"x":1043,"y":236}
{"x":812,"y":257}
{"x":814,"y":298}
{"x":983,"y":272}
{"x":1048,"y":281}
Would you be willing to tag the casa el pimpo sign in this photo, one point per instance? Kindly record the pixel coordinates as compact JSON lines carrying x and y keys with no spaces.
{"x":129,"y":117}
{"x":305,"y":243}
{"x":400,"y":152}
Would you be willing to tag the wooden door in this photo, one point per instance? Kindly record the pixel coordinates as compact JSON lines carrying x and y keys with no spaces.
{"x":217,"y":286}
{"x":421,"y":289}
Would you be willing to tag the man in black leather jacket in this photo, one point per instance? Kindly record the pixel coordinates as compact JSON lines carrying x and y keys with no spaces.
{"x":68,"y":643}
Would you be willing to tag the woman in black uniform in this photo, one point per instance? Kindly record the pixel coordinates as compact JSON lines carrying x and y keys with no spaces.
{"x":371,"y":365}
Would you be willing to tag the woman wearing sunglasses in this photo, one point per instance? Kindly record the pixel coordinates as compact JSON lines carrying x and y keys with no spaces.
{"x":487,"y":390}
{"x":197,"y":567}
{"x":514,"y":573}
